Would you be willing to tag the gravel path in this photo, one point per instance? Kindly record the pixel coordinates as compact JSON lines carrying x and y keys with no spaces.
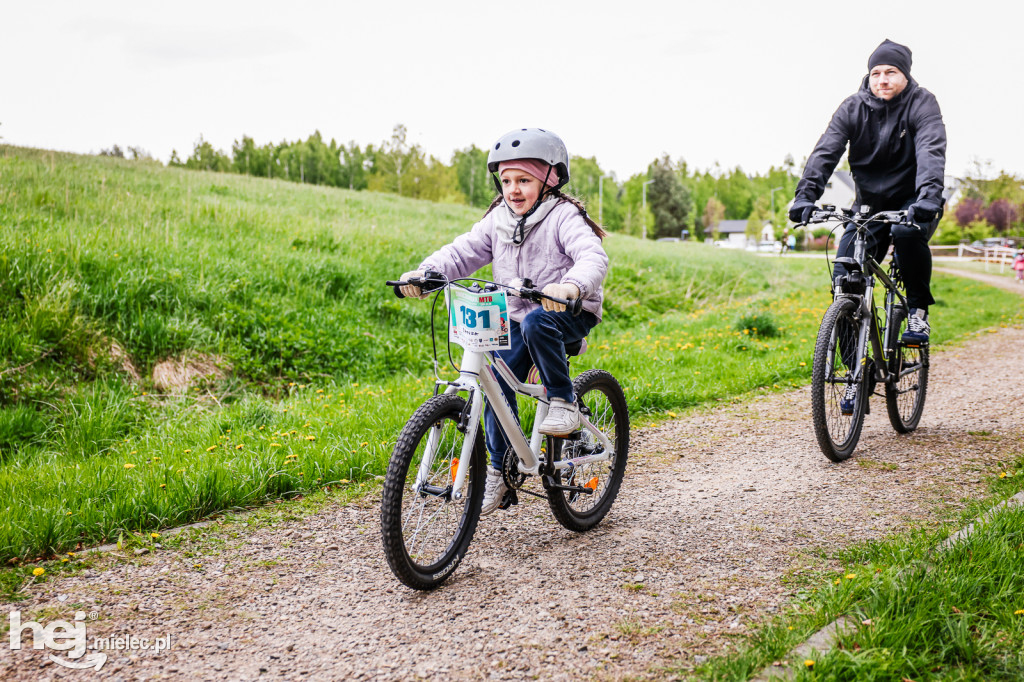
{"x":717,"y":508}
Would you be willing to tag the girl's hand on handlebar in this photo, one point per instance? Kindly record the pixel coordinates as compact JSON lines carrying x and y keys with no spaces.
{"x":566,"y":291}
{"x":411,"y":290}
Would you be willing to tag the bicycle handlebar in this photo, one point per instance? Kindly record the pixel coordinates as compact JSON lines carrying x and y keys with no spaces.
{"x":432,"y":281}
{"x":858,"y":218}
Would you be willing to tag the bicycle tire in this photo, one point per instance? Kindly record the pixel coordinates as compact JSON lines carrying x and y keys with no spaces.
{"x":905,"y":400}
{"x":837,"y":433}
{"x":426,"y":535}
{"x":602,"y":399}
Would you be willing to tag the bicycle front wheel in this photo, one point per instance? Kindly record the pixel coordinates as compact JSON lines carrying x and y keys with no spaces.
{"x":904,"y":399}
{"x":831,"y":380}
{"x":425,"y":524}
{"x":602,"y":401}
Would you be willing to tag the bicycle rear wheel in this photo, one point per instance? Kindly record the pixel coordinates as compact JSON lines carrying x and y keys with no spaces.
{"x":831,"y":375}
{"x":425,"y":526}
{"x":905,"y":399}
{"x":601,"y":399}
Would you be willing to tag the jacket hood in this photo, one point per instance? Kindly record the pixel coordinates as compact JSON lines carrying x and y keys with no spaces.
{"x":877,"y":103}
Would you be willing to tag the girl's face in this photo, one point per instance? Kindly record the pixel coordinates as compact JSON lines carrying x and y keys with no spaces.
{"x":520,"y":189}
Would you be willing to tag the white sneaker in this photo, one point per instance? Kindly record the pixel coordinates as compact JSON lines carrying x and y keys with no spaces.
{"x":494,"y":490}
{"x":563,"y":418}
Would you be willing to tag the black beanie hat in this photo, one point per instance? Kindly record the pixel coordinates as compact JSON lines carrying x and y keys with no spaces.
{"x":892,"y":54}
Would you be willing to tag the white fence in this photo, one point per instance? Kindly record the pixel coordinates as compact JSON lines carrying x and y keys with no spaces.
{"x":989,"y":255}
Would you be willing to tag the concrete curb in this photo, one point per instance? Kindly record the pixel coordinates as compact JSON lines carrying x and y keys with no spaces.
{"x":824,"y":640}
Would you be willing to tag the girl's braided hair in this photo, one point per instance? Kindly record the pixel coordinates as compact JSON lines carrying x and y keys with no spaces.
{"x":558,"y":194}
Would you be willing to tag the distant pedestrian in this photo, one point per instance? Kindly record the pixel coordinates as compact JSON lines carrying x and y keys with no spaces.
{"x":1018,"y":265}
{"x":785,"y":242}
{"x":791,"y":243}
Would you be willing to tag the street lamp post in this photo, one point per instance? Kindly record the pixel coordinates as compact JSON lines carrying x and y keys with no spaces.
{"x":600,"y":196}
{"x":643,"y":206}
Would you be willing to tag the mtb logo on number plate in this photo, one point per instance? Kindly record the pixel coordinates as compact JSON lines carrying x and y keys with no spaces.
{"x":478,"y":321}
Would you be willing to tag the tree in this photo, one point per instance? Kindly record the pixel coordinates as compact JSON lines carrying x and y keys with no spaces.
{"x":714,"y":213}
{"x":969,"y":210}
{"x":474,"y":180}
{"x":670,"y":200}
{"x":353,"y":166}
{"x":114,"y":151}
{"x":205,"y":157}
{"x":1001,"y":214}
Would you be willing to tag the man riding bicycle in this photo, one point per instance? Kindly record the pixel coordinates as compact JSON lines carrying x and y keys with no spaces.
{"x":897,"y":144}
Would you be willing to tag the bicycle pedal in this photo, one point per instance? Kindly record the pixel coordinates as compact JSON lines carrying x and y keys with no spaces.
{"x":508,"y":499}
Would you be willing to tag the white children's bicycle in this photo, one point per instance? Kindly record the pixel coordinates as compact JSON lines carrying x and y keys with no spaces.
{"x":434,"y":487}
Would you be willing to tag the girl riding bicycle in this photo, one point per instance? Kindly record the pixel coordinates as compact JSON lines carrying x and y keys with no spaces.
{"x":531,"y":230}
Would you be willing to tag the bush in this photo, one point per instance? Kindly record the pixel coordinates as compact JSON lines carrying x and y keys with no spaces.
{"x":759,"y":323}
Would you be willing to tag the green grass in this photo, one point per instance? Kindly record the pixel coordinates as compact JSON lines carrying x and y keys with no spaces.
{"x":108,"y":267}
{"x":919,"y":613}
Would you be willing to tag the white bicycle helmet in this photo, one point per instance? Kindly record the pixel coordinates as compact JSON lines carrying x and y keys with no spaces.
{"x":530,"y":143}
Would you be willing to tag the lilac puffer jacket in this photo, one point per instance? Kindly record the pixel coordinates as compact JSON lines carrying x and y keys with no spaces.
{"x":562,"y":248}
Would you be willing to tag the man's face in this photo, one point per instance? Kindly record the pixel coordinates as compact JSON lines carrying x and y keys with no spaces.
{"x":886,"y":81}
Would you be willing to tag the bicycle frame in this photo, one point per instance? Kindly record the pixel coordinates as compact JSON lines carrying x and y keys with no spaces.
{"x":870,"y":333}
{"x":478,"y":377}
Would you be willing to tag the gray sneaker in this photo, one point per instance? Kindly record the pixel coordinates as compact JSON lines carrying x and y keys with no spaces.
{"x":918,"y":329}
{"x":494,"y":490}
{"x":563,"y":418}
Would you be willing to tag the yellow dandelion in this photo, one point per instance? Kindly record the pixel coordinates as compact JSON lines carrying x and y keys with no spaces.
{"x":155,"y":536}
{"x":38,"y":571}
{"x":64,"y":561}
{"x":188,"y":451}
{"x":163,"y":485}
{"x":803,"y":364}
{"x":344,"y":480}
{"x":363,"y":444}
{"x":1019,"y":612}
{"x":71,"y":554}
{"x":211,"y":448}
{"x":851,"y":576}
{"x":275,"y":445}
{"x":310,"y":437}
{"x":133,"y":452}
{"x":69,"y":513}
{"x":1002,"y":474}
{"x":156,"y":459}
{"x":809,"y":663}
{"x":239,"y":446}
{"x":129,"y":465}
{"x":181,"y":471}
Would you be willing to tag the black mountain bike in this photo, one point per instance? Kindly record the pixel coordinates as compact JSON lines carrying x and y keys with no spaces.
{"x":859,"y":345}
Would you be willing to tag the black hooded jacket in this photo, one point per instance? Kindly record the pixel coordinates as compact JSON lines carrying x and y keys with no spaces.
{"x":897,"y":149}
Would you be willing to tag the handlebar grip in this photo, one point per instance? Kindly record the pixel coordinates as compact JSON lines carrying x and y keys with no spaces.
{"x":575,"y":306}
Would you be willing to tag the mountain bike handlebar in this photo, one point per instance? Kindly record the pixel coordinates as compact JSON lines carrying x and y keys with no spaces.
{"x":432,"y":281}
{"x":859,"y":218}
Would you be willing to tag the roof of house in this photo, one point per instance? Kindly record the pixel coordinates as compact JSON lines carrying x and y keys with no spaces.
{"x":732,"y":226}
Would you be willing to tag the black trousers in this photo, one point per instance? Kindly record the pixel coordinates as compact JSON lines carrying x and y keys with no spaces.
{"x":913,"y":256}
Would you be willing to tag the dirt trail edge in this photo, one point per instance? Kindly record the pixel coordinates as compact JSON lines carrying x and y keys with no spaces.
{"x":716,"y":510}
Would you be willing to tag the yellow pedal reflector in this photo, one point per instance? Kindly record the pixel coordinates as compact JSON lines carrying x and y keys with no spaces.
{"x":592,"y":483}
{"x":453,"y":468}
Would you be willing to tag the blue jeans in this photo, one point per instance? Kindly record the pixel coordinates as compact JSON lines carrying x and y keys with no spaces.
{"x":540,"y":340}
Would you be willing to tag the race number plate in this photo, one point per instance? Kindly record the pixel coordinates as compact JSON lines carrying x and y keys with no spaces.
{"x":478,"y":321}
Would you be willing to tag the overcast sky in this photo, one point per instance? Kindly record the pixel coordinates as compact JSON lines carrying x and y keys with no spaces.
{"x":733,"y":83}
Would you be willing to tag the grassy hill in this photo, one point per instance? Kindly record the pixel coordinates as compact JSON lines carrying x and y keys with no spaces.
{"x":176,"y":343}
